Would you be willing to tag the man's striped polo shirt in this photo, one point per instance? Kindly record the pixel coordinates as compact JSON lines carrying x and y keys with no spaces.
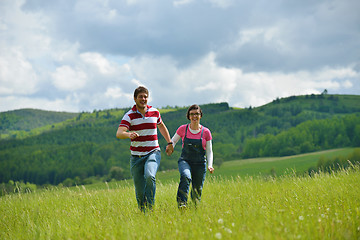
{"x":145,"y":126}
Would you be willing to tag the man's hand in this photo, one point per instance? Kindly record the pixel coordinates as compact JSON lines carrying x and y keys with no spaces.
{"x":133,"y":135}
{"x":122,"y":133}
{"x":211,"y":169}
{"x":169,"y":149}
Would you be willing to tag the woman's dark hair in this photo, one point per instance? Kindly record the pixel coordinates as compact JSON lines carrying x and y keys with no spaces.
{"x":140,"y":89}
{"x":193,"y":107}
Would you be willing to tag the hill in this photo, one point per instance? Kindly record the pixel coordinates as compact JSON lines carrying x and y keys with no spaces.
{"x":85,"y":145}
{"x":16,"y":123}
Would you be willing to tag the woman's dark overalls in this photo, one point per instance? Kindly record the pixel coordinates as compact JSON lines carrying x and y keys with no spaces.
{"x":192,"y":168}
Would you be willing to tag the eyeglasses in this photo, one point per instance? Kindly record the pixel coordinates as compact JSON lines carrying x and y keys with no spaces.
{"x":194,"y":114}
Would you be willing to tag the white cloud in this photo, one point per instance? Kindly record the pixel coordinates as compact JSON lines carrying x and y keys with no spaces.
{"x":347,"y":84}
{"x":205,"y":82}
{"x":206,"y":78}
{"x":222,"y":3}
{"x":97,"y":10}
{"x":68,"y":79}
{"x":26,"y":31}
{"x":117,"y":93}
{"x":98,"y":61}
{"x":178,"y":3}
{"x":17,"y":75}
{"x":18,"y":102}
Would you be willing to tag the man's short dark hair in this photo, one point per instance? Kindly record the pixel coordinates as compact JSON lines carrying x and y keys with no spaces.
{"x":193,"y":107}
{"x":140,"y":89}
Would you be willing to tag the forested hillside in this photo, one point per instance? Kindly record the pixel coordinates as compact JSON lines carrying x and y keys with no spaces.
{"x":17,"y":123}
{"x":85,"y":146}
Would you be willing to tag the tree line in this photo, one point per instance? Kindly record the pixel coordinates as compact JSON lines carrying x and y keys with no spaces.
{"x":306,"y":137}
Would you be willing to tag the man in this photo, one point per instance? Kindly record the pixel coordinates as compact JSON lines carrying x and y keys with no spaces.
{"x":140,"y":125}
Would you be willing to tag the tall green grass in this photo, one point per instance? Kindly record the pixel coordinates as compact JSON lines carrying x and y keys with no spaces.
{"x":325,"y":206}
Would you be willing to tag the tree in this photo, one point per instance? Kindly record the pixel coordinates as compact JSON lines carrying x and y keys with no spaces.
{"x":218,"y":162}
{"x":68,"y":182}
{"x":116,"y":173}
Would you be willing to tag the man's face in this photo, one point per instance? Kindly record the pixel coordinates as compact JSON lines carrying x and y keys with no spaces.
{"x":141,"y":100}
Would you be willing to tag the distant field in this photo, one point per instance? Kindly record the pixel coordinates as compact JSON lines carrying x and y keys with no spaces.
{"x":279,"y":165}
{"x":264,"y":166}
{"x":248,"y":167}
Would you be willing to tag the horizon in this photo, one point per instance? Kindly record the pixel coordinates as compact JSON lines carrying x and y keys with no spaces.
{"x":176,"y":106}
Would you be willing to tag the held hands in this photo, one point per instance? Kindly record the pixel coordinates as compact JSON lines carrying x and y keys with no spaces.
{"x":169,"y":149}
{"x":211,"y":169}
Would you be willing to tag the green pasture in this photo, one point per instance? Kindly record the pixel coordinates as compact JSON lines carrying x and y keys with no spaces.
{"x":278,"y":165}
{"x":264,"y":166}
{"x":324,"y":206}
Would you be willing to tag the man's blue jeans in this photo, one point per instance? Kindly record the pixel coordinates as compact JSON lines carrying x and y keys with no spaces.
{"x":194,"y":174}
{"x":143,"y":170}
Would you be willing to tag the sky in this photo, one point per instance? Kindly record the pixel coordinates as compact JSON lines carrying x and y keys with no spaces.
{"x":85,"y":55}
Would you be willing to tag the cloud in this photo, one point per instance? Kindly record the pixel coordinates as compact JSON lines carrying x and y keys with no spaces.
{"x":179,"y":3}
{"x":206,"y":82}
{"x":68,"y":79}
{"x":88,"y":54}
{"x":98,"y":61}
{"x":222,"y":3}
{"x":17,"y":75}
{"x":68,"y":104}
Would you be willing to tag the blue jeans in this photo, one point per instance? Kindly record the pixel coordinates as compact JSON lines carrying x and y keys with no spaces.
{"x":143,"y":170}
{"x":194,"y":174}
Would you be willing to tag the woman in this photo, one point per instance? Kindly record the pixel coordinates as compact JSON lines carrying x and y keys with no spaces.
{"x":196,"y":149}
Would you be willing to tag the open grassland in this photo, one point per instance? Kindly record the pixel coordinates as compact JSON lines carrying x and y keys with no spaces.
{"x":273,"y":166}
{"x":325,"y":206}
{"x":263,"y":167}
{"x":278,"y":165}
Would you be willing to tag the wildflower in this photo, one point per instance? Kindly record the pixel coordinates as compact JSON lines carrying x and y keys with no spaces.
{"x":218,"y":235}
{"x":301,"y":218}
{"x":221,"y":221}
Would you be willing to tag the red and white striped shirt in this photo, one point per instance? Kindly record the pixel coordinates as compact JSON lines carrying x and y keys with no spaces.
{"x":145,"y":126}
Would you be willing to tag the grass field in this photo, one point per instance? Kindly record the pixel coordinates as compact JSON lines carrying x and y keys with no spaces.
{"x":325,"y":206}
{"x":264,"y":166}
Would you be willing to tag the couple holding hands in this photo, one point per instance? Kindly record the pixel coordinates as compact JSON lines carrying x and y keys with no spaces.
{"x":140,"y":124}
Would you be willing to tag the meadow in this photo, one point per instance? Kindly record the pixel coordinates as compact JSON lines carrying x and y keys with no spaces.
{"x":265,"y":167}
{"x":288,"y":206}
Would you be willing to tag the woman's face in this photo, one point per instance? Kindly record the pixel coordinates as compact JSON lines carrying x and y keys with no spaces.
{"x":195,"y":115}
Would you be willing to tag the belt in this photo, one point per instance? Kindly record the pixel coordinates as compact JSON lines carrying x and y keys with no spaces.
{"x":139,"y":156}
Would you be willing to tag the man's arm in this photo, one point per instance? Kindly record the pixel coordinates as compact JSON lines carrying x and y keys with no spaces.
{"x":164,"y":131}
{"x":122,"y":133}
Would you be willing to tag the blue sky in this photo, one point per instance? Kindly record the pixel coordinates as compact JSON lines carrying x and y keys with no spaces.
{"x":81,"y":55}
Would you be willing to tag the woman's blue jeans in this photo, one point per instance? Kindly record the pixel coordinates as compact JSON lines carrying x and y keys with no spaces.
{"x":143,"y":170}
{"x":194,"y":174}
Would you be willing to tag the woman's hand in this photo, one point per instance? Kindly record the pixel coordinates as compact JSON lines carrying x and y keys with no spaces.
{"x":211,"y":169}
